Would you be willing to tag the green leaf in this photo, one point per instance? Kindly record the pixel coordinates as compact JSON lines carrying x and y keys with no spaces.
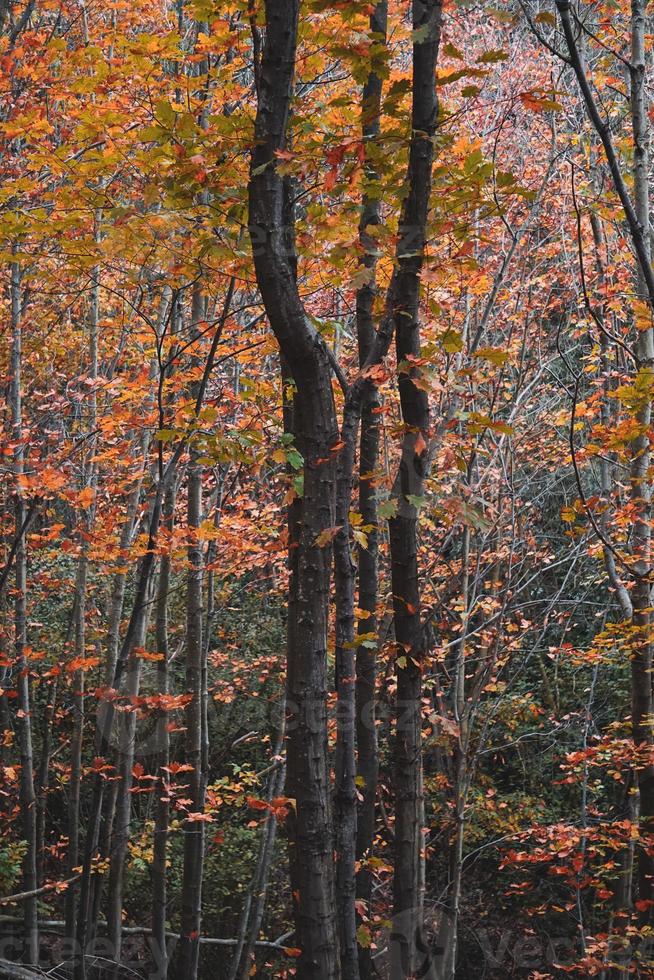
{"x":165,"y":113}
{"x":496,"y":355}
{"x":473,"y":516}
{"x":489,"y":57}
{"x":452,"y":341}
{"x":295,"y":459}
{"x":424,"y":33}
{"x":166,"y":435}
{"x":452,"y":52}
{"x":367,"y":640}
{"x":504,"y":178}
{"x":388,"y":509}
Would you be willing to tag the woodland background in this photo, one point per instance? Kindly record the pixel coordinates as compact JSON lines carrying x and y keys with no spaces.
{"x":326,"y":372}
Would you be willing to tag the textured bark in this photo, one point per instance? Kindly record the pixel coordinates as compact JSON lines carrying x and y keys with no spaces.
{"x":409,"y":483}
{"x":640,"y":480}
{"x":355,"y":672}
{"x":316,"y":432}
{"x":345,"y":808}
{"x":189,"y":947}
{"x":368,"y":571}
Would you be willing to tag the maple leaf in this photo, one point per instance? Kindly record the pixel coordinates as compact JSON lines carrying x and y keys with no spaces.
{"x":327,"y":536}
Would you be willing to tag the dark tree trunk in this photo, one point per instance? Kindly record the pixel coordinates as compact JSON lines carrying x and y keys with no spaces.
{"x":408,"y":488}
{"x":368,"y":577}
{"x":316,"y":433}
{"x":189,"y":945}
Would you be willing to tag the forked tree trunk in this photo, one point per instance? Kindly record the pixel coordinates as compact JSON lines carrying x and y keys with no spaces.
{"x":316,"y":432}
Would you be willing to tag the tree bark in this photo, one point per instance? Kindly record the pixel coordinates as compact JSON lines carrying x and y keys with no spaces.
{"x":408,"y":947}
{"x":368,"y":571}
{"x":191,"y":911}
{"x":189,"y":947}
{"x":315,"y":427}
{"x":641,"y":490}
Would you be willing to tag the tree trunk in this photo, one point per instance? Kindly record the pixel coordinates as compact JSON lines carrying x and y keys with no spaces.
{"x":368,"y":572}
{"x":409,"y":951}
{"x":191,"y":911}
{"x":189,"y":946}
{"x":161,"y":804}
{"x":641,"y":492}
{"x":346,"y":792}
{"x":24,"y":712}
{"x":125,"y":749}
{"x":311,"y":847}
{"x":76,"y":742}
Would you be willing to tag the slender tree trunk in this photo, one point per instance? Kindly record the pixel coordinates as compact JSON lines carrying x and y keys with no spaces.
{"x":91,"y":891}
{"x":346,"y":791}
{"x":191,"y":912}
{"x":162,"y":790}
{"x":368,"y":573}
{"x":255,"y":902}
{"x":44,"y":780}
{"x":89,"y":480}
{"x":409,"y":952}
{"x":636,"y":210}
{"x":193,"y":828}
{"x":125,"y":749}
{"x":641,"y":662}
{"x":316,"y":432}
{"x":24,"y":712}
{"x":106,"y":720}
{"x":76,"y":742}
{"x":451,"y":921}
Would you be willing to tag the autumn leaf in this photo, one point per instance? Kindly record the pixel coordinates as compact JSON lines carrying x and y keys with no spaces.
{"x":327,"y":536}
